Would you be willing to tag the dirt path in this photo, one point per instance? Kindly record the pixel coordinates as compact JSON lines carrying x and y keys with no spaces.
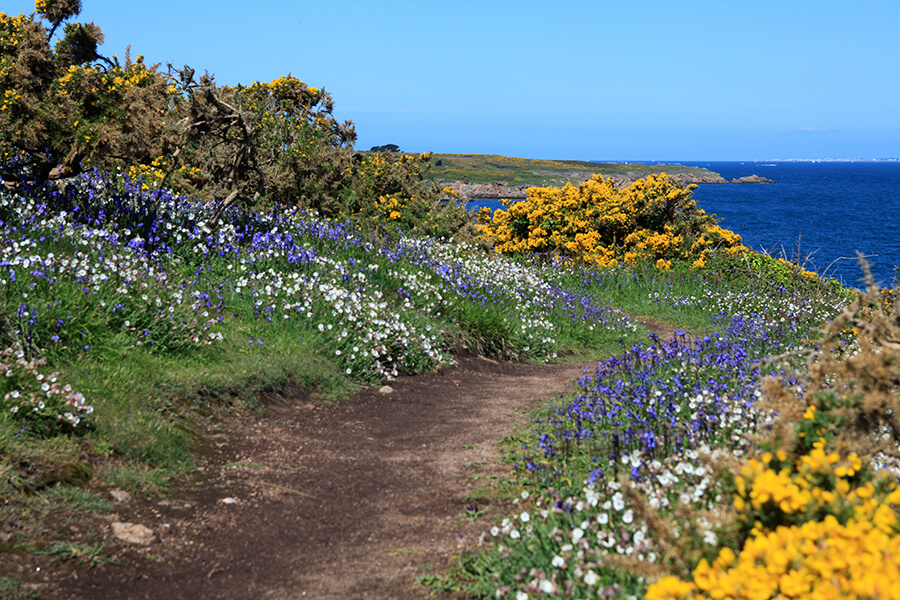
{"x":352,"y":501}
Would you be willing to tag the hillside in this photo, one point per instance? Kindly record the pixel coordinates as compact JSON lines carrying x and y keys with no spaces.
{"x":490,"y":168}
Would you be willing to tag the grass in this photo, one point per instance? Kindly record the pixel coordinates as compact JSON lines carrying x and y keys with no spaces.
{"x":81,"y":554}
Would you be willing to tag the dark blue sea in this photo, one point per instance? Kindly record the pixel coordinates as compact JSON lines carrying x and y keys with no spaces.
{"x":819,"y":212}
{"x":816,"y":213}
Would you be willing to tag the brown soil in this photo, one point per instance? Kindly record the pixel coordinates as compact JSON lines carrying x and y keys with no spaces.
{"x":330,"y":502}
{"x":348,"y":501}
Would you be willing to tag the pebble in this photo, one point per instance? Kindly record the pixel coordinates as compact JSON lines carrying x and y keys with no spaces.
{"x":132,"y":533}
{"x":120,"y":495}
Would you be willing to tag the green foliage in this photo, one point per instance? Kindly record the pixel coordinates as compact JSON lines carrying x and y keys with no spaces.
{"x":82,"y":554}
{"x":780,"y":271}
{"x":65,"y":108}
{"x":391,"y":190}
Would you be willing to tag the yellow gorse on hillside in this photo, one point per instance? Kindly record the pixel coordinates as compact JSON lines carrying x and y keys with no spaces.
{"x":653,"y":220}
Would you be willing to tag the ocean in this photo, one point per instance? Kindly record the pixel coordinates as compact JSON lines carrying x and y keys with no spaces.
{"x":816,"y":213}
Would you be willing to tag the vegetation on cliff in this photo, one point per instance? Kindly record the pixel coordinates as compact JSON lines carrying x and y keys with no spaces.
{"x":167,"y":244}
{"x":486,"y":168}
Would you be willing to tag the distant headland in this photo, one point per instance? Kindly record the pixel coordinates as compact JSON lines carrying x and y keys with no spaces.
{"x":488,"y":176}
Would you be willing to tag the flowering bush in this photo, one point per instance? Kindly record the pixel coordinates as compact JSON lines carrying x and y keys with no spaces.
{"x":65,"y":109}
{"x":389,"y":189}
{"x":277,"y":140}
{"x":62,"y":109}
{"x":653,"y":220}
{"x":819,"y":511}
{"x":820,"y":527}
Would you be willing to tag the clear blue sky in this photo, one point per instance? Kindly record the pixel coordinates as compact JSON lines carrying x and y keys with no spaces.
{"x":623,"y":80}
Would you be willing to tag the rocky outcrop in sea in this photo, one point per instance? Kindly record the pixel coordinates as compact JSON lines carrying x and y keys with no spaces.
{"x":752,"y":179}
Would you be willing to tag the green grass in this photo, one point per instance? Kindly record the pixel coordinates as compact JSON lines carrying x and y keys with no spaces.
{"x":8,"y":585}
{"x":81,"y":554}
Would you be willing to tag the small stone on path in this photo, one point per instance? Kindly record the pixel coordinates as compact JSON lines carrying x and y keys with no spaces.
{"x":120,"y":495}
{"x":132,"y":533}
{"x":386,"y":390}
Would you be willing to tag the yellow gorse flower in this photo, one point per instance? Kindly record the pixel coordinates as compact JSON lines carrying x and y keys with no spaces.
{"x":853,"y":551}
{"x":654,"y":220}
{"x":819,"y":559}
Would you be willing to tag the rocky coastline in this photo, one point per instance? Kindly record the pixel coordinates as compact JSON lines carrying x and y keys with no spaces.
{"x":501,"y":190}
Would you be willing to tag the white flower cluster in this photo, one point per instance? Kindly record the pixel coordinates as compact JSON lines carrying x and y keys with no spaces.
{"x":32,"y":394}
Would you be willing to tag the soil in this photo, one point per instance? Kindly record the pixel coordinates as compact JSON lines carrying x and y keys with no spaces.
{"x":303,"y":500}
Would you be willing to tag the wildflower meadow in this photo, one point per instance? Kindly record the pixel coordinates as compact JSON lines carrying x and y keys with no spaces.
{"x":105,"y":273}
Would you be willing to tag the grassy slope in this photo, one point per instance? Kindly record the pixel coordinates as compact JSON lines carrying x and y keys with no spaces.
{"x":486,"y":168}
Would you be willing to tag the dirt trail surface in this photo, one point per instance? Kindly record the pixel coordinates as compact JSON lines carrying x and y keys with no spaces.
{"x":348,"y":501}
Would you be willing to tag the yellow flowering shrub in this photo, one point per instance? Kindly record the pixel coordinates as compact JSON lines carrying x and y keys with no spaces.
{"x":821,"y":528}
{"x":819,"y":559}
{"x":772,"y":491}
{"x":62,"y":110}
{"x":153,"y":175}
{"x":11,"y":32}
{"x":653,"y":220}
{"x":817,"y":517}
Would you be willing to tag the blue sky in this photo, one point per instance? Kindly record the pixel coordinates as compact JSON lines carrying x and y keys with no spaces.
{"x":624,"y":80}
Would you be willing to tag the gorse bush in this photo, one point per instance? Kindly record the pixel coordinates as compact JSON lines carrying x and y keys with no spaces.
{"x":64,"y":106}
{"x":816,"y":514}
{"x":653,"y":220}
{"x":277,"y":141}
{"x":66,"y":109}
{"x":389,"y":188}
{"x":819,"y":526}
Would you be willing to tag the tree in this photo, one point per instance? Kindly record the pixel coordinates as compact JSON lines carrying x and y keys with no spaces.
{"x":385,"y":148}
